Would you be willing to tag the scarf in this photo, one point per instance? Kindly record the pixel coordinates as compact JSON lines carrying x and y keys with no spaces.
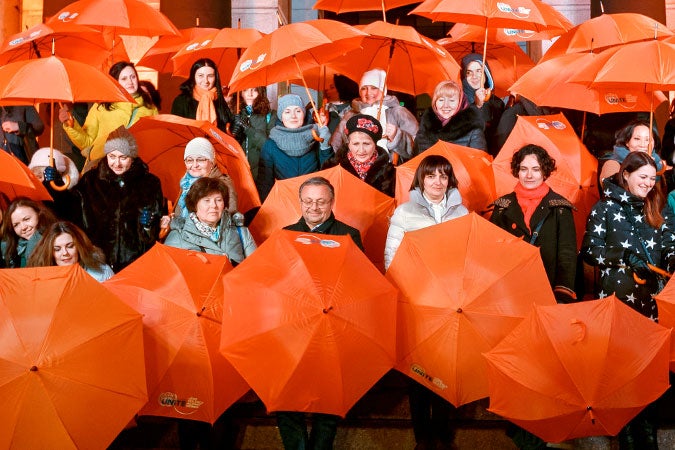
{"x":529,"y":199}
{"x":362,"y":168}
{"x":293,"y":141}
{"x":205,"y":109}
{"x":185,"y":184}
{"x":213,"y":233}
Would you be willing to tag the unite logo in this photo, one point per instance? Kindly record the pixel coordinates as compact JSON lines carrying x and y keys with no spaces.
{"x":249,"y":64}
{"x":181,"y":406}
{"x":626,"y":101}
{"x":67,"y":16}
{"x":419,"y":371}
{"x":520,"y":11}
{"x":197,"y":45}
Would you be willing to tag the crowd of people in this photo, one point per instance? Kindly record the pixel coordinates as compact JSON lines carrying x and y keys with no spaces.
{"x":115,"y":211}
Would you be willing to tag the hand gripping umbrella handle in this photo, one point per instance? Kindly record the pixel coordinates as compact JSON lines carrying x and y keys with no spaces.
{"x":654,"y":269}
{"x":164,"y":231}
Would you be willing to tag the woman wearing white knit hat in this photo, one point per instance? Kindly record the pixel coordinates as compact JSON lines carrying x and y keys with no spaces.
{"x":200,"y":161}
{"x":399,"y":125}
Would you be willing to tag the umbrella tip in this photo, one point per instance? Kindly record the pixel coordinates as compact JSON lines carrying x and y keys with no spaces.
{"x":459,"y":310}
{"x":326,"y":310}
{"x":33,"y":369}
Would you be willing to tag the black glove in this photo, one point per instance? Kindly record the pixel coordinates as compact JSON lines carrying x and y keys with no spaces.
{"x":240,"y":124}
{"x":637,"y":263}
{"x":145,"y":219}
{"x":670,"y":267}
{"x":51,"y":174}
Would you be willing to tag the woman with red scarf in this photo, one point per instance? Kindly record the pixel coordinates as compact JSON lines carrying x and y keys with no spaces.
{"x":362,"y":157}
{"x":541,"y":217}
{"x":201,"y":96}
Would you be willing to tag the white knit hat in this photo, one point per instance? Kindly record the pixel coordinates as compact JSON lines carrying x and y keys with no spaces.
{"x":200,"y":147}
{"x":63,"y":164}
{"x":375,"y":77}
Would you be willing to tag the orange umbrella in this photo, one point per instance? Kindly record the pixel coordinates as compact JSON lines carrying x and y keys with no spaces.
{"x":17,"y":180}
{"x":582,"y":369}
{"x":459,"y":298}
{"x":665,"y":301}
{"x":476,"y":33}
{"x":576,"y":174}
{"x":317,"y":330}
{"x":159,"y":56}
{"x":79,"y":43}
{"x":71,"y":360}
{"x":128,"y":17}
{"x":605,"y":31}
{"x":343,"y":6}
{"x":414,"y":63}
{"x":180,"y":294}
{"x":370,"y":214}
{"x":506,"y":60}
{"x":546,"y":85}
{"x":288,"y":51}
{"x":224,"y":47}
{"x":161,"y":144}
{"x":472,"y":167}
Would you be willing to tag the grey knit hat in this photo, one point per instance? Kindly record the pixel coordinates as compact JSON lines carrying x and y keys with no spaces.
{"x":289,"y":100}
{"x":122,"y":141}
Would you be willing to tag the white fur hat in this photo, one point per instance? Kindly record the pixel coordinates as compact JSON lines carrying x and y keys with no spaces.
{"x":63,"y":164}
{"x":200,"y":146}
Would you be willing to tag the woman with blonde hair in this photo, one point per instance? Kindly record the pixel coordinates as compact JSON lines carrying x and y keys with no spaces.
{"x":450,"y":118}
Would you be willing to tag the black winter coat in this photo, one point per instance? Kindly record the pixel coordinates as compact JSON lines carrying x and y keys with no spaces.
{"x":111,"y":208}
{"x":464,"y":128}
{"x":610,"y":232}
{"x":556,"y":240}
{"x":331,"y":226}
{"x":381,"y":176}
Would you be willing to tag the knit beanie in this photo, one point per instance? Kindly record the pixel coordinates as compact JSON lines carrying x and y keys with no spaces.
{"x":375,"y":77}
{"x":200,"y":147}
{"x":289,"y":100}
{"x":122,"y":141}
{"x":365,"y":124}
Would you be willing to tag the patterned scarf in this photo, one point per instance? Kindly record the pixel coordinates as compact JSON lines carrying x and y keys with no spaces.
{"x":361,"y":168}
{"x":185,"y":184}
{"x":205,"y":109}
{"x":529,"y":199}
{"x":210,"y":232}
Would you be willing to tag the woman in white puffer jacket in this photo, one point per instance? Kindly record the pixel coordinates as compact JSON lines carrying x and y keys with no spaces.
{"x":434,"y":198}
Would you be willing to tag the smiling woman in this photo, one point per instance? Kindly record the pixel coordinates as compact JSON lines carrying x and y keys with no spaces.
{"x":23,"y":224}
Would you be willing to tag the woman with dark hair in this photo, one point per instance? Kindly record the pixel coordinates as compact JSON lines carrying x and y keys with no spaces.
{"x":64,"y":244}
{"x":633,"y":137}
{"x":434,"y":198}
{"x":106,"y":117}
{"x":450,"y":119}
{"x":208,"y":227}
{"x":362,"y":157}
{"x":541,"y":217}
{"x":22,"y":226}
{"x":253,"y":123}
{"x":627,"y":232}
{"x":201,"y":96}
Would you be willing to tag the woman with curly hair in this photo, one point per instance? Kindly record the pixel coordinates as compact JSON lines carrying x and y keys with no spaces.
{"x":64,"y":244}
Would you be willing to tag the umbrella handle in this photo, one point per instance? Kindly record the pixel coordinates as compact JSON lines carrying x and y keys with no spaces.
{"x":654,"y":269}
{"x":316,"y":137}
{"x":164,"y":231}
{"x":66,"y":183}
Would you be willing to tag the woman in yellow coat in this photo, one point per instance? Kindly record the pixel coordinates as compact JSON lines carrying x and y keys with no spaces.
{"x":106,"y":117}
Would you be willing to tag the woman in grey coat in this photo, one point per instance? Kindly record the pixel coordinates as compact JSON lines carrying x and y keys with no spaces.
{"x":208,"y":227}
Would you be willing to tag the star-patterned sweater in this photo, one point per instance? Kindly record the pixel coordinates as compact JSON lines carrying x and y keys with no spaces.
{"x":610,"y":231}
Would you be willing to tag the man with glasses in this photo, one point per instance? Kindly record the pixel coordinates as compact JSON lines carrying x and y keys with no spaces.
{"x":317,"y":196}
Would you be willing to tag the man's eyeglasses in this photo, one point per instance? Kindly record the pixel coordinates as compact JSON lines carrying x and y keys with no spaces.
{"x":321,"y":203}
{"x":191,"y":161}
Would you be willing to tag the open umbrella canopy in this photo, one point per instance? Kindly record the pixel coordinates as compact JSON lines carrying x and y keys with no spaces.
{"x":72,"y":372}
{"x":582,"y":369}
{"x":370,"y":214}
{"x":665,"y":301}
{"x":576,"y":174}
{"x":128,"y":17}
{"x":180,"y":294}
{"x":507,"y":61}
{"x":472,"y":168}
{"x":459,"y":298}
{"x":414,"y":63}
{"x":476,"y":33}
{"x":343,"y":6}
{"x":546,"y":84}
{"x":605,"y":31}
{"x":159,"y":55}
{"x":76,"y":42}
{"x":161,"y":144}
{"x":224,"y":47}
{"x":317,"y":331}
{"x":23,"y":83}
{"x":17,"y":180}
{"x":291,"y":49}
